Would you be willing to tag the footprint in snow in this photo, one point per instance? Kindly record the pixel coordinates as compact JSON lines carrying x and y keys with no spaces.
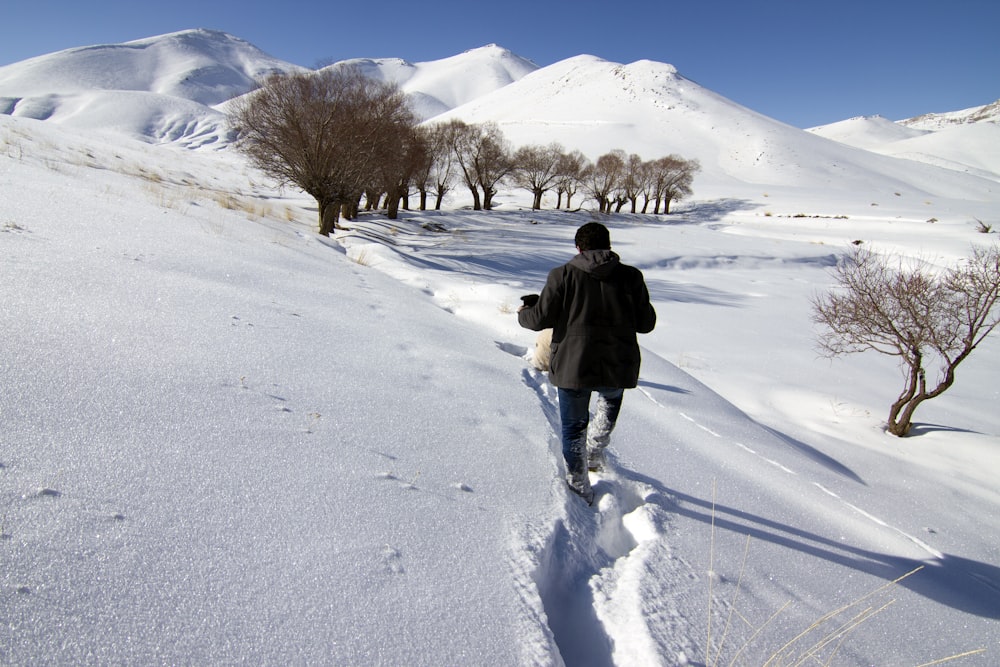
{"x":392,"y":560}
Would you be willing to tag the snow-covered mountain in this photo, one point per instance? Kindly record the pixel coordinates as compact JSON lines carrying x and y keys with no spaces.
{"x":649,"y":108}
{"x":437,"y":86}
{"x":869,"y":132}
{"x":172,"y":89}
{"x":989,"y":113}
{"x":203,"y":66}
{"x":161,"y":89}
{"x":970,"y":145}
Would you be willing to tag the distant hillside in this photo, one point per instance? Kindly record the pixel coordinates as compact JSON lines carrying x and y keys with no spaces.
{"x":649,"y":108}
{"x":989,"y":113}
{"x":172,"y":89}
{"x":437,"y":86}
{"x":203,"y":66}
{"x":967,"y":142}
{"x":168,"y":88}
{"x":159,"y":89}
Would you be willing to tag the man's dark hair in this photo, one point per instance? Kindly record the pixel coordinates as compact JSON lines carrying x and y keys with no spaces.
{"x":593,"y":236}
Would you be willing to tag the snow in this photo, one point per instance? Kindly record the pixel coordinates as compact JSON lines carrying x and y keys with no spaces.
{"x":225,"y":439}
{"x":988,"y":113}
{"x":437,"y":86}
{"x":958,"y":147}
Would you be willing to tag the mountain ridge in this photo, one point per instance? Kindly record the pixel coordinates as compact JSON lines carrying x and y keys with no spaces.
{"x":173,"y":89}
{"x":434,"y":88}
{"x":988,"y":113}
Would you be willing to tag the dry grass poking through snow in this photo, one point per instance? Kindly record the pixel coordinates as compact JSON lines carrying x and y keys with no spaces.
{"x":820,"y":642}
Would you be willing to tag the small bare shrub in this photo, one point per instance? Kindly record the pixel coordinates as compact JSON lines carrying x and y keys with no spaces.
{"x":924,"y":318}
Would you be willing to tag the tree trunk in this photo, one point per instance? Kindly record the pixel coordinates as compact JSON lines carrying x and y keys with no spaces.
{"x":901,"y":412}
{"x":392,"y":206}
{"x":477,"y":204}
{"x":349,"y":211}
{"x":329,"y":213}
{"x":537,"y":203}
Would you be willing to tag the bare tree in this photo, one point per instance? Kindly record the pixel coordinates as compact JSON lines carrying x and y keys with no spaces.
{"x":603,"y":178}
{"x":462,"y":141}
{"x":397,"y":175}
{"x":924,"y":318}
{"x":672,"y":177}
{"x":492,"y":160}
{"x":648,"y":176}
{"x":572,"y":166}
{"x":482,"y":157}
{"x":536,"y":168}
{"x":424,"y":166}
{"x":326,"y":132}
{"x":633,"y":180}
{"x":443,"y":162}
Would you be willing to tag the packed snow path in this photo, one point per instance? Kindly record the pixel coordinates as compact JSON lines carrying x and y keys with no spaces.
{"x":615,"y":591}
{"x":713,"y":537}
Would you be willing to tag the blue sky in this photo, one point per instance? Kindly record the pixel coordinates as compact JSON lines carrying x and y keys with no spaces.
{"x":804,"y":62}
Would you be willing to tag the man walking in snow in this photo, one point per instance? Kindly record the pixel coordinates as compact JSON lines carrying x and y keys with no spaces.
{"x":595,"y":306}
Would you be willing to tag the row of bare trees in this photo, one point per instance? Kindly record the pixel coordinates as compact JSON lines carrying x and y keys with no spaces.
{"x":342,"y":138}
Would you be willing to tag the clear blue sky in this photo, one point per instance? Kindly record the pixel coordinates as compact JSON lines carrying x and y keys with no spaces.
{"x":804,"y":62}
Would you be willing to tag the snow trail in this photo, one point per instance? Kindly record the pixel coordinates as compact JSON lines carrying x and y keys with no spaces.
{"x":593,"y":577}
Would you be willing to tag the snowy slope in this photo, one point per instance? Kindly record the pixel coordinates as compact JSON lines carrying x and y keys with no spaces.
{"x":988,"y":113}
{"x":972,"y":148}
{"x":594,"y":105}
{"x":437,"y":86}
{"x":869,"y":132}
{"x":165,"y":88}
{"x":161,"y":88}
{"x":204,"y":461}
{"x":172,"y":88}
{"x":203,"y":66}
{"x":225,"y":440}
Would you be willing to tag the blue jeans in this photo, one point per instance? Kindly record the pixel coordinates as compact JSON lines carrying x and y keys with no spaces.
{"x":574,"y":412}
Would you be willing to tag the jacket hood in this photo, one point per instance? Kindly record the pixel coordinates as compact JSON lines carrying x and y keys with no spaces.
{"x":598,"y":263}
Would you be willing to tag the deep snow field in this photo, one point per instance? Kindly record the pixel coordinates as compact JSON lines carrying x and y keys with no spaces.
{"x":225,"y":439}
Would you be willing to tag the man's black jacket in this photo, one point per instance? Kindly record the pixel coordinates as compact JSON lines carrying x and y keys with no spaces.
{"x":595,"y":306}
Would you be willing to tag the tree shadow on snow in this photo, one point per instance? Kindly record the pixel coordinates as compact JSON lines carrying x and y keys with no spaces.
{"x":663,"y":387}
{"x":819,"y":457}
{"x":665,"y":290}
{"x":917,"y":429}
{"x":969,"y":586}
{"x":712,"y":211}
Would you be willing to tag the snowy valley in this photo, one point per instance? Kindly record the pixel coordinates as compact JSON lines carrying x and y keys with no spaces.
{"x":226,"y":439}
